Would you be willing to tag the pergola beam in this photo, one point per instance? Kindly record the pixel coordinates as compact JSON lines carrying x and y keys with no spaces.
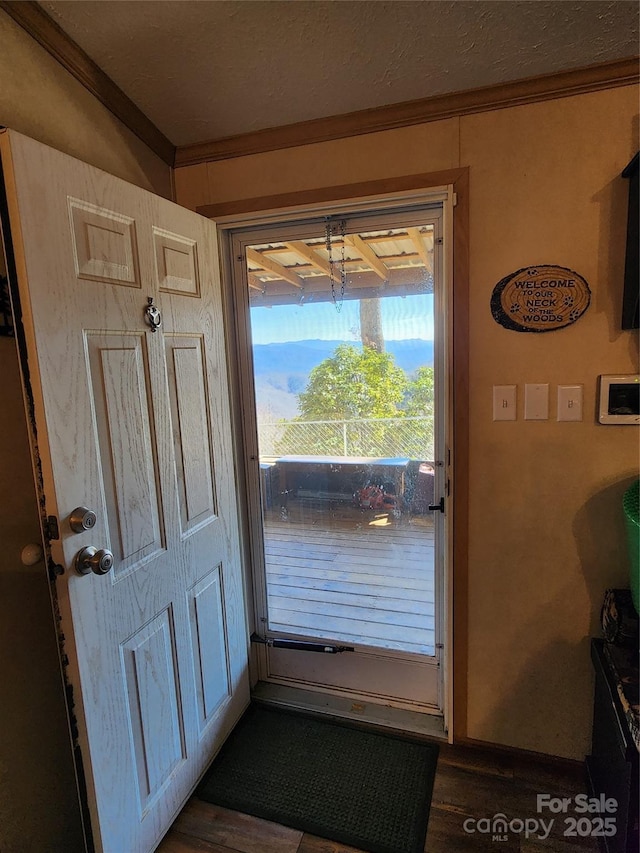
{"x":384,"y":259}
{"x":273,"y":266}
{"x":367,"y":254}
{"x":425,"y":256}
{"x":306,"y":253}
{"x":312,"y":267}
{"x":366,"y":286}
{"x":254,"y":282}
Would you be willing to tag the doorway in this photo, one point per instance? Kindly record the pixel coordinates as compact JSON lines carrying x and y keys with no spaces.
{"x":342,"y":353}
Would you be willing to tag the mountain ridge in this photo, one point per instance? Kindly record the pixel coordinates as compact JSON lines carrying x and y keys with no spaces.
{"x":409,"y":354}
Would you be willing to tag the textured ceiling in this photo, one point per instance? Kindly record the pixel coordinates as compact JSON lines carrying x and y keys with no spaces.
{"x":215,"y":68}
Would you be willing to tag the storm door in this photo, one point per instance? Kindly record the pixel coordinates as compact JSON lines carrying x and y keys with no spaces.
{"x":344,"y":445}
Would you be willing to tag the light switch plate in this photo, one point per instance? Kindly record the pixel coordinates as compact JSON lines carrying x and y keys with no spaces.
{"x":536,"y":402}
{"x":569,"y":402}
{"x":504,"y":402}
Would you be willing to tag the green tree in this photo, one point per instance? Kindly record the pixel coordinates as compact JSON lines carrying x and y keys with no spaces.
{"x":420,"y":394}
{"x":347,"y":387}
{"x":420,"y":403}
{"x":359,"y":390}
{"x":353,"y":384}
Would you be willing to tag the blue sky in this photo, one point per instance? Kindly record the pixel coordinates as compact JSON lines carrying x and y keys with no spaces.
{"x":402,"y":318}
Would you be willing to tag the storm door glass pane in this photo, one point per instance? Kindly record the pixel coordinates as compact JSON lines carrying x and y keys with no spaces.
{"x":344,"y":385}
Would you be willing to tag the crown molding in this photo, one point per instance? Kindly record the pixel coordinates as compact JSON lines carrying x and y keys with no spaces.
{"x":562,"y":84}
{"x":35,"y":21}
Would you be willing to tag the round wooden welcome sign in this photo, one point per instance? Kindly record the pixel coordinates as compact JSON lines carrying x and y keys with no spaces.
{"x":540,"y":299}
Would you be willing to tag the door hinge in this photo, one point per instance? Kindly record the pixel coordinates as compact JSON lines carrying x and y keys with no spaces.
{"x":50,"y":528}
{"x":454,"y":199}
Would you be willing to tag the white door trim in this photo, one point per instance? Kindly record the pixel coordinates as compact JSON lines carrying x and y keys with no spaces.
{"x":233,"y":232}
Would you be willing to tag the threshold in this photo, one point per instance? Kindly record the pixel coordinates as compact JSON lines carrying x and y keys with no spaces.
{"x":342,"y":707}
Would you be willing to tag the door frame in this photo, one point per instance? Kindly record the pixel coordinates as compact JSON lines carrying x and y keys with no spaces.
{"x":380,"y":664}
{"x":383,"y":194}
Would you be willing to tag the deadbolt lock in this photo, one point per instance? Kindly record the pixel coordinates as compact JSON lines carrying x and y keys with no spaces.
{"x":91,"y":560}
{"x":82,"y":519}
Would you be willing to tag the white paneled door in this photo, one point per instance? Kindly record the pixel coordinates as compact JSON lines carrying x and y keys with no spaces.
{"x":132,"y":423}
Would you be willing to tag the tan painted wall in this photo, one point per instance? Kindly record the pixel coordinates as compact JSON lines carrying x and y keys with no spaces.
{"x":545,"y":532}
{"x":42,"y":100}
{"x":430,"y":147}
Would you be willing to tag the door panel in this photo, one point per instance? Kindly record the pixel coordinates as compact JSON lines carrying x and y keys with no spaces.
{"x":208,"y":641}
{"x":133,"y":423}
{"x":176,"y":263}
{"x":120,"y":400}
{"x":104,"y":244}
{"x":155,"y":722}
{"x":191,"y":433}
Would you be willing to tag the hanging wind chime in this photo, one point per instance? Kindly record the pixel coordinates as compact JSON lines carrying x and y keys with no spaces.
{"x":332,"y":264}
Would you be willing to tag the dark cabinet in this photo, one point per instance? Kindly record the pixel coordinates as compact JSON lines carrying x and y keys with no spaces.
{"x":613,"y":763}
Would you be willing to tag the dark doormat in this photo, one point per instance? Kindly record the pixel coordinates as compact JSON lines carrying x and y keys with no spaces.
{"x":362,"y":788}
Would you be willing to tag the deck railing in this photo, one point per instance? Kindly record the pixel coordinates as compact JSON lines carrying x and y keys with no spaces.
{"x":410,"y":437}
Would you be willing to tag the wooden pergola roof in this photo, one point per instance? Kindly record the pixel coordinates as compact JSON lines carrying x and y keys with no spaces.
{"x":395,"y":262}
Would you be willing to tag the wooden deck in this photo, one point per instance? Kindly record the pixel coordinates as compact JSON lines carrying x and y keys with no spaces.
{"x":353,"y":576}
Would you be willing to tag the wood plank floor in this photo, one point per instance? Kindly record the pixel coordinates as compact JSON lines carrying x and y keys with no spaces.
{"x":470,"y":784}
{"x":353,"y":576}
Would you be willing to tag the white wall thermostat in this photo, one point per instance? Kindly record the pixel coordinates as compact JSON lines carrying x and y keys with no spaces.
{"x":620,"y":399}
